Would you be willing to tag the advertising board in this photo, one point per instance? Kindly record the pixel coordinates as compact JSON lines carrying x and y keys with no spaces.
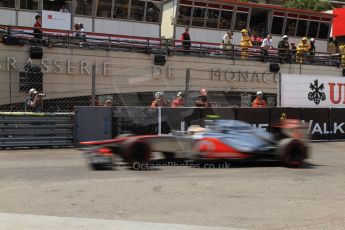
{"x":312,"y":91}
{"x":56,"y":20}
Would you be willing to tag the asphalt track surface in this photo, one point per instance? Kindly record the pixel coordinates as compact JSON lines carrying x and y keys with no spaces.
{"x":53,"y":189}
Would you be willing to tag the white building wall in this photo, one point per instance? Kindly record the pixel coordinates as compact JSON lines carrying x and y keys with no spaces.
{"x":126,"y":28}
{"x":7,"y":17}
{"x":26,"y":18}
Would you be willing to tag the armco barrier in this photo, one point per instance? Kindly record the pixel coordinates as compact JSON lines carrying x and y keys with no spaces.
{"x":324,"y":123}
{"x":36,"y":129}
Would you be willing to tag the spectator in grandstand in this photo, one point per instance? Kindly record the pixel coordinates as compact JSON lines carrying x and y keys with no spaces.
{"x":63,"y":9}
{"x":293,"y":51}
{"x":185,"y":38}
{"x":284,"y":49}
{"x":82,"y":31}
{"x":159,"y":100}
{"x":34,"y":103}
{"x":76,"y":30}
{"x":221,"y":23}
{"x":38,"y":27}
{"x":227,"y":41}
{"x":312,"y":50}
{"x":342,"y":52}
{"x":265,"y":46}
{"x":178,"y":101}
{"x":108,"y":103}
{"x":259,"y":102}
{"x":245,"y":44}
{"x":202,"y":99}
{"x":253,"y":39}
{"x":302,"y":50}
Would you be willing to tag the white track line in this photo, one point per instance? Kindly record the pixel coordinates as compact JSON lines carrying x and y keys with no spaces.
{"x":9,"y":221}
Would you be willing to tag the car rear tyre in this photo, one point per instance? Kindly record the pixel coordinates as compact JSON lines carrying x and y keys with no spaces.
{"x":138,"y":155}
{"x":292,"y":152}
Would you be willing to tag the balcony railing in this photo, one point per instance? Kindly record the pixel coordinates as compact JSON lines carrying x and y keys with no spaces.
{"x":111,"y":42}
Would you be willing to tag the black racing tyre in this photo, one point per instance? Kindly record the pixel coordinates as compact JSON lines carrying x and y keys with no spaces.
{"x":292,"y":152}
{"x":138,"y":155}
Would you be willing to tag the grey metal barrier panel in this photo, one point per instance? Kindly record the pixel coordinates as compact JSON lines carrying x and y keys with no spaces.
{"x":92,"y":123}
{"x":337,"y":124}
{"x":180,"y":119}
{"x":218,"y":113}
{"x":20,"y":129}
{"x":259,"y":117}
{"x":135,"y":120}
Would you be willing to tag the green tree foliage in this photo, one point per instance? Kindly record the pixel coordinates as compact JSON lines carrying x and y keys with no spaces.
{"x":316,"y":5}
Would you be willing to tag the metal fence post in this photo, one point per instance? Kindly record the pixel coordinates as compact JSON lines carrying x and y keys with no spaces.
{"x":187,"y":85}
{"x":93,"y":86}
{"x":279,"y":90}
{"x":10,"y":85}
{"x":159,"y":120}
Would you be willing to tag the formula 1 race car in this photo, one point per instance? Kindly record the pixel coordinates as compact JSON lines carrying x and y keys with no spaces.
{"x":220,"y":139}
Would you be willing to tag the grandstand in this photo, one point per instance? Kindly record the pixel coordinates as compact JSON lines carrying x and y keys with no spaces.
{"x":122,"y":50}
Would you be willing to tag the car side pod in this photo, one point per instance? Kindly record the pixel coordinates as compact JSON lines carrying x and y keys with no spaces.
{"x":292,"y":152}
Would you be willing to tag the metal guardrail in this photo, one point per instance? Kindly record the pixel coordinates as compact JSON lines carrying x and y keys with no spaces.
{"x":64,"y":38}
{"x":36,"y":129}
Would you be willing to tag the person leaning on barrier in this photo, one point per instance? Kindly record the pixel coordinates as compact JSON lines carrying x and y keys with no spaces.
{"x":34,"y":102}
{"x":82,"y":31}
{"x":312,"y":49}
{"x":342,"y":52}
{"x":302,"y":50}
{"x":227,"y":41}
{"x":245,"y":44}
{"x":178,"y":101}
{"x":159,"y":100}
{"x":265,"y":46}
{"x":284,"y":50}
{"x":76,"y":30}
{"x":38,"y":27}
{"x":202,"y":100}
{"x":259,"y":102}
{"x":185,"y":38}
